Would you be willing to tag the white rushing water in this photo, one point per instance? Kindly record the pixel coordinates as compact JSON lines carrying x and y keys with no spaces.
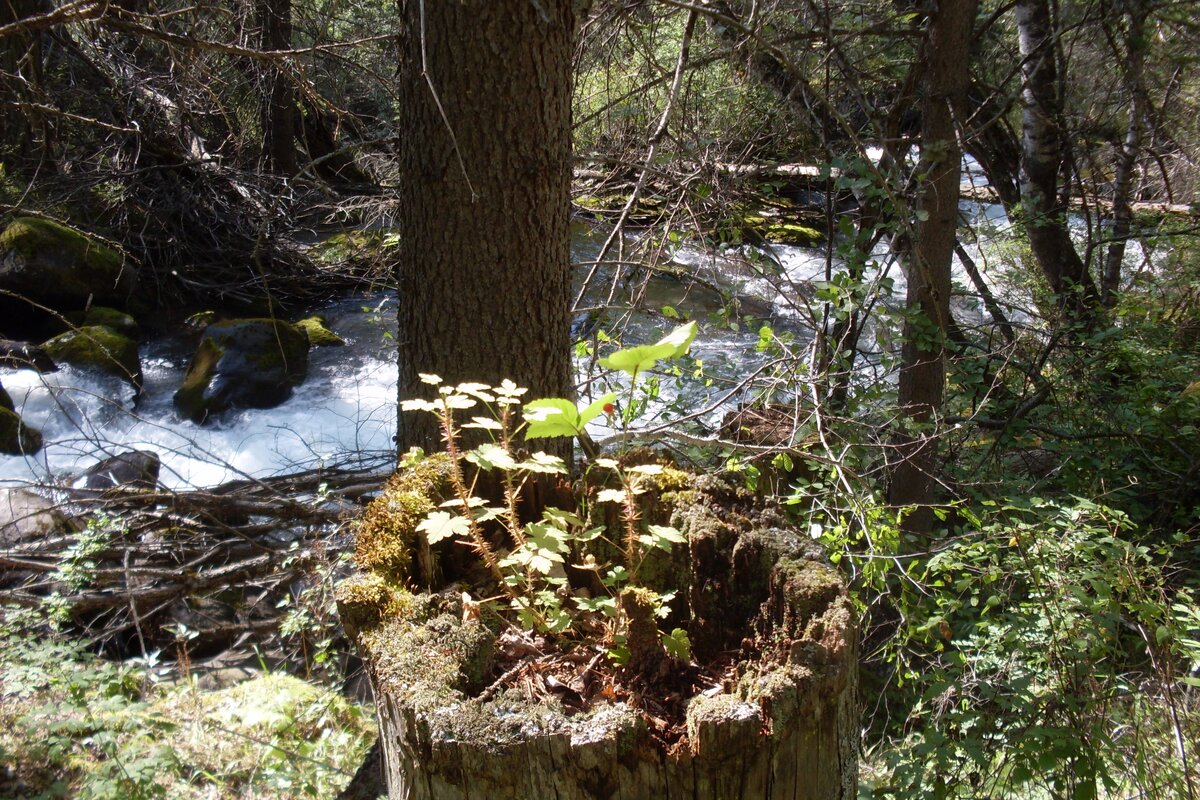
{"x":345,"y":408}
{"x":344,"y":413}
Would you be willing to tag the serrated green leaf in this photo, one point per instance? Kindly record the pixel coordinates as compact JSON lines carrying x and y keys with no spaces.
{"x":551,"y":417}
{"x":491,"y":456}
{"x":442,"y":525}
{"x":544,"y":463}
{"x":681,"y":338}
{"x":563,"y":519}
{"x":595,"y":409}
{"x":668,"y":533}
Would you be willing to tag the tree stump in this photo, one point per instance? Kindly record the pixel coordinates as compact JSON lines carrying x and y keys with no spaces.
{"x":783,"y":725}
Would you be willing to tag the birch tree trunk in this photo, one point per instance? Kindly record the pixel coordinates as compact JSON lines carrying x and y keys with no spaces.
{"x":1044,"y":146}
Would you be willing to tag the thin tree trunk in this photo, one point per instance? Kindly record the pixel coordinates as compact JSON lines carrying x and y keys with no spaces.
{"x":278,"y":93}
{"x":1044,"y":146}
{"x":1136,"y":45}
{"x":485,"y":167}
{"x":923,"y":367}
{"x":24,"y":135}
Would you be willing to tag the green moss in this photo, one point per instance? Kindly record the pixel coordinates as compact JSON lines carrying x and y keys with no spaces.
{"x":119,"y":321}
{"x":6,"y":400}
{"x":387,"y":529}
{"x":201,"y":319}
{"x":28,"y":236}
{"x":364,"y":600}
{"x":318,"y":332}
{"x":243,"y":363}
{"x":98,"y":347}
{"x":357,"y":245}
{"x":190,"y":396}
{"x":16,"y":438}
{"x":434,"y":660}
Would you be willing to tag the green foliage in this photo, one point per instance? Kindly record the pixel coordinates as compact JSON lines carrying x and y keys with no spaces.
{"x":72,"y":725}
{"x":532,"y":574}
{"x":1020,"y":656}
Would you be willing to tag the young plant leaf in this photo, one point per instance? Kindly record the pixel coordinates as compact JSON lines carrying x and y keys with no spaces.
{"x":442,"y":525}
{"x":639,"y":359}
{"x":551,"y":417}
{"x":596,"y":409}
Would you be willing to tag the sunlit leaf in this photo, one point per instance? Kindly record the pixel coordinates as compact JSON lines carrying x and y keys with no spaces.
{"x":484,"y":423}
{"x":610,"y":496}
{"x":596,"y":408}
{"x":442,"y":525}
{"x":544,"y":463}
{"x":668,"y":533}
{"x":551,"y":417}
{"x":491,"y":456}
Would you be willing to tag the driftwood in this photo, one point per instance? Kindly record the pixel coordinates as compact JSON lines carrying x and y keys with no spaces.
{"x":22,"y":355}
{"x":221,"y":558}
{"x":463,"y":718}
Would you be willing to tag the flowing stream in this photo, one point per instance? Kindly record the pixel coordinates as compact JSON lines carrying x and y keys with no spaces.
{"x":344,"y":413}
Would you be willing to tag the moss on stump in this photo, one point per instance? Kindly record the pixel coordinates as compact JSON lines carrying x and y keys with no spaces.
{"x":784,"y":724}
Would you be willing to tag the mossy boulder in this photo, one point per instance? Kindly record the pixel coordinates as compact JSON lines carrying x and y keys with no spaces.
{"x":243,"y":363}
{"x":119,"y":321}
{"x":57,"y":266}
{"x":319,"y":333}
{"x":17,"y":438}
{"x":98,"y":347}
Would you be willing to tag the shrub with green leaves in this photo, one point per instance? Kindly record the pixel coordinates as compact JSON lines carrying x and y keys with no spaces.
{"x":1038,"y":653}
{"x":531,"y":572}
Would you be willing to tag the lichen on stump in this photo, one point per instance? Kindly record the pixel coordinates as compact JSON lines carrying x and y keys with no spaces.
{"x":781,"y":724}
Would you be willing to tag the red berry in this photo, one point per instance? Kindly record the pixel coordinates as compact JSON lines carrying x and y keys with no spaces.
{"x":609,"y":408}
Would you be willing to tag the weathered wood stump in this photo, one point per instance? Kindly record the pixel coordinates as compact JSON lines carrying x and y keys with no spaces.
{"x":783,"y":724}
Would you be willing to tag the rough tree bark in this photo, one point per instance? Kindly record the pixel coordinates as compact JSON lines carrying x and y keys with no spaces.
{"x":485,"y":169}
{"x":923,"y":368}
{"x":1044,"y":147}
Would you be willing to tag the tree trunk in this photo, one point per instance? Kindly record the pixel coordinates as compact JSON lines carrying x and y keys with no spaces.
{"x":484,"y":251}
{"x":24,"y":134}
{"x":923,"y":367}
{"x":1044,"y":147}
{"x":782,"y":724}
{"x":278,"y":101}
{"x":1135,"y":58}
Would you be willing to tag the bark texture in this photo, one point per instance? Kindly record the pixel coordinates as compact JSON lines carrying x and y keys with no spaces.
{"x":923,"y":367}
{"x":279,"y":110}
{"x":1122,"y":216}
{"x":485,"y":173}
